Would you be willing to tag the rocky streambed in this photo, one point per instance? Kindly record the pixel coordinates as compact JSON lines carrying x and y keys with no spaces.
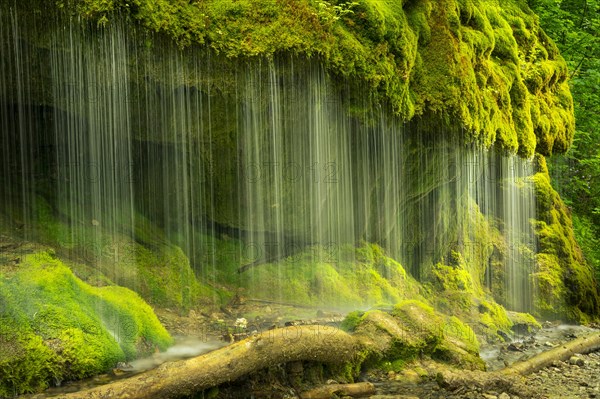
{"x":578,"y":377}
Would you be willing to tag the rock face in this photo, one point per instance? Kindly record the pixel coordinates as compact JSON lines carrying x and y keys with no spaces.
{"x":488,"y":66}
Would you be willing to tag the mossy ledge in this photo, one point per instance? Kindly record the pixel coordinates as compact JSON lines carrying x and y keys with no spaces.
{"x":484,"y":65}
{"x":54,"y":327}
{"x":566,"y":281}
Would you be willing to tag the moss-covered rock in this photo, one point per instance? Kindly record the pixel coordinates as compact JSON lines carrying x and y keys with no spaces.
{"x":566,"y":283}
{"x":135,"y":255}
{"x":456,"y":286}
{"x":345,"y":277}
{"x":413,"y":330}
{"x":488,"y":67}
{"x":523,"y":323}
{"x":494,"y":319}
{"x":54,"y":327}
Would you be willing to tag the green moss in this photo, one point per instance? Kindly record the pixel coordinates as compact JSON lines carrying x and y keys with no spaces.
{"x":523,"y":322}
{"x":353,"y":277}
{"x":455,"y":284}
{"x":351,"y":321}
{"x":566,"y":283}
{"x":495,"y":319}
{"x":457,"y":331}
{"x":488,"y":66}
{"x":67,"y":329}
{"x":413,"y":330}
{"x":26,"y":364}
{"x":137,"y":256}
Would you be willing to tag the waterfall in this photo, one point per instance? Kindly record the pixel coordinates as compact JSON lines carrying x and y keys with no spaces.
{"x":119,"y":134}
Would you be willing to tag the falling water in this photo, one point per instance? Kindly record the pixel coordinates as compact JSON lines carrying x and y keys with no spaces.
{"x":123,"y":131}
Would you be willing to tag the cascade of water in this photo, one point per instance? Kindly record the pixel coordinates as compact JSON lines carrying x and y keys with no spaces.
{"x":517,"y":213}
{"x":271,"y":153}
{"x":89,"y":76}
{"x":18,"y":148}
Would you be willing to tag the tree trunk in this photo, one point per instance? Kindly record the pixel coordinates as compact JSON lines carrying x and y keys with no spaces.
{"x":327,"y":391}
{"x":174,"y":379}
{"x":511,"y":379}
{"x":304,"y":343}
{"x":583,"y":345}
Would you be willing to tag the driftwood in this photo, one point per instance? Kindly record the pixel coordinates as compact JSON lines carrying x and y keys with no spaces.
{"x":186,"y":377}
{"x":583,"y":345}
{"x":511,"y":378}
{"x":306,"y":343}
{"x":327,"y":391}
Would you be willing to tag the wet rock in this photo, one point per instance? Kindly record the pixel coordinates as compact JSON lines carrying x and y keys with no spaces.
{"x":295,"y":368}
{"x":411,"y":376}
{"x":570,"y":335}
{"x":503,"y":335}
{"x":576,"y":360}
{"x":515,"y":347}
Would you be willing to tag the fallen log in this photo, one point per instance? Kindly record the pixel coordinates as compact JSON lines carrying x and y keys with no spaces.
{"x":186,"y":377}
{"x":316,"y":343}
{"x":511,"y":378}
{"x":583,"y":345}
{"x":328,"y":391}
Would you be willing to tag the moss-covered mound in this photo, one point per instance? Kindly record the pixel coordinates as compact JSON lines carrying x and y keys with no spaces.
{"x":566,"y":281}
{"x":54,"y":327}
{"x":484,"y":64}
{"x":350,"y":278}
{"x":412,"y":330}
{"x":135,"y":255}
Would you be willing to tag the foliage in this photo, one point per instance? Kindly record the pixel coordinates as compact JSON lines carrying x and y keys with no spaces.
{"x":575,"y":27}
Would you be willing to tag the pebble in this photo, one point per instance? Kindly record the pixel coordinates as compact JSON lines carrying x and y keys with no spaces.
{"x":577,"y":378}
{"x":576,"y":360}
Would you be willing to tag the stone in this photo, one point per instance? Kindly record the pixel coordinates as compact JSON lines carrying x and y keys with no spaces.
{"x":515,"y":347}
{"x":411,"y":375}
{"x":504,"y":395}
{"x":576,"y":360}
{"x":295,"y":368}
